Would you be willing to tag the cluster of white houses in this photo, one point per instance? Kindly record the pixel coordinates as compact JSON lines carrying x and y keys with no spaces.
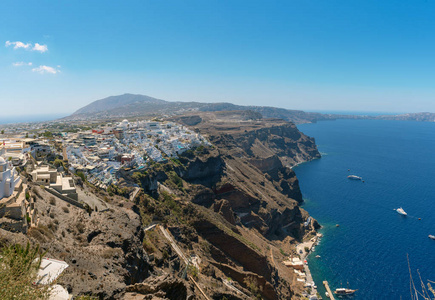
{"x":101,"y":152}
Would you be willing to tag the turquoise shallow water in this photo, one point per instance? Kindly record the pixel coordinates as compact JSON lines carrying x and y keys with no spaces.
{"x":397,"y":162}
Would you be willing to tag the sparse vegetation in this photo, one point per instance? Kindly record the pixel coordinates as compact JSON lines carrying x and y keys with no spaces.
{"x":121,"y":191}
{"x":80,"y":227}
{"x":138,"y":176}
{"x":176,"y":162}
{"x":86,"y":297}
{"x":81,"y":175}
{"x":59,"y":163}
{"x":65,"y":209}
{"x":110,"y":253}
{"x":150,"y":240}
{"x":165,"y":254}
{"x":424,"y":291}
{"x":193,"y":271}
{"x":252,"y":285}
{"x":174,"y":178}
{"x":18,"y":271}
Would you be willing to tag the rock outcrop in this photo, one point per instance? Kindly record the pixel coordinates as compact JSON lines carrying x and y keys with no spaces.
{"x":103,"y":249}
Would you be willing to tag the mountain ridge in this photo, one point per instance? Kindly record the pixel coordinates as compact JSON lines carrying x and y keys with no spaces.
{"x":136,"y":105}
{"x":112,"y":102}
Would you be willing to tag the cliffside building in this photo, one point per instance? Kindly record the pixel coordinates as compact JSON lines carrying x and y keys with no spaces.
{"x":16,"y":202}
{"x":48,"y":177}
{"x":9,"y":178}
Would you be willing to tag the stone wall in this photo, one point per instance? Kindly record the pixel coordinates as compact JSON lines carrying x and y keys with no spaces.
{"x":65,"y":198}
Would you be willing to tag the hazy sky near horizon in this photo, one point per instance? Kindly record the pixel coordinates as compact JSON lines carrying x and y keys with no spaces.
{"x":57,"y":56}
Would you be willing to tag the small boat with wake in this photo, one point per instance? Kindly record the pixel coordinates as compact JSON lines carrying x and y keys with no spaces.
{"x":401,"y":211}
{"x":432,"y":236}
{"x":354,"y":177}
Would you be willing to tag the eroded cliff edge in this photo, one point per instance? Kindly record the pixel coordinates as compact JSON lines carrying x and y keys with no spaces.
{"x":240,"y":200}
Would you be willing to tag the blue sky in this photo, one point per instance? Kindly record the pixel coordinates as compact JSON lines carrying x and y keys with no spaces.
{"x":312,"y":55}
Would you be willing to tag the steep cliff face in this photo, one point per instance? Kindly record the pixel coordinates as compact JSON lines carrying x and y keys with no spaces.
{"x":236,"y":203}
{"x":261,"y":141}
{"x":250,"y":197}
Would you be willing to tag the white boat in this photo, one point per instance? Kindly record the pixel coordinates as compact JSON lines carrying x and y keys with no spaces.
{"x":354,"y":177}
{"x":344,"y":291}
{"x":317,"y":256}
{"x":432,"y":236}
{"x":401,"y":211}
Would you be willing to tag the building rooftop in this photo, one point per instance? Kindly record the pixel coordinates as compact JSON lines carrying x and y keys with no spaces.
{"x":50,"y":270}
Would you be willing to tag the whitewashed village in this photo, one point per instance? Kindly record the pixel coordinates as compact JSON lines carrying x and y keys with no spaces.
{"x":101,"y":152}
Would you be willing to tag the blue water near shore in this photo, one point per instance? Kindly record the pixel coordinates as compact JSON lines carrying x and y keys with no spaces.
{"x":397,"y":162}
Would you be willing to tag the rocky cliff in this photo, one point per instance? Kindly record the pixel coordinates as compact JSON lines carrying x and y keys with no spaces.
{"x":241,"y":198}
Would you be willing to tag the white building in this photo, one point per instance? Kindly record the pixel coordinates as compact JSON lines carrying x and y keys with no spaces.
{"x":9,"y":178}
{"x":46,"y":176}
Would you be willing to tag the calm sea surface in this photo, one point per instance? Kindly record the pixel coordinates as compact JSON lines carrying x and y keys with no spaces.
{"x":30,"y":118}
{"x":368,"y":250}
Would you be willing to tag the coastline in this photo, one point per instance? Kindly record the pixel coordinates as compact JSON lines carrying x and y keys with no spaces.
{"x":310,"y":284}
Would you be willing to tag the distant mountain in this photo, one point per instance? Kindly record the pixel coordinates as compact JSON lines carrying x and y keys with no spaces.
{"x":114,"y":102}
{"x":130,"y":105}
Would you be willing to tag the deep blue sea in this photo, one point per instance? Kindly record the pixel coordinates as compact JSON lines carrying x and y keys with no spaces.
{"x":369,"y":249}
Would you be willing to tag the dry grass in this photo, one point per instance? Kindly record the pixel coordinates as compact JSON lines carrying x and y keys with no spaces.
{"x":18,"y":271}
{"x":110,"y":253}
{"x":424,"y":291}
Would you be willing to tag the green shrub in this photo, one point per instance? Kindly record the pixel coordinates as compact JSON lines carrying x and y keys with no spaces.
{"x":193,"y":271}
{"x":176,"y":179}
{"x":81,"y":175}
{"x":19,"y":271}
{"x":59,"y":163}
{"x":252,"y":285}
